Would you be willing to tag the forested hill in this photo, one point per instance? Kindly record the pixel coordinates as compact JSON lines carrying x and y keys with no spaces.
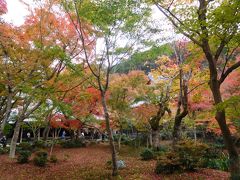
{"x":144,"y":60}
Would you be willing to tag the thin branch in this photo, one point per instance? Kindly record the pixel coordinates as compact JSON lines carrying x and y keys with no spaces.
{"x":177,"y":26}
{"x":228,"y":71}
{"x":196,"y":87}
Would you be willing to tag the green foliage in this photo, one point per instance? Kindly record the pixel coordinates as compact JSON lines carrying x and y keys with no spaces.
{"x":23,"y":156}
{"x":25,"y":146}
{"x":147,"y":154}
{"x":144,"y":60}
{"x":161,"y":150}
{"x":73,"y":143}
{"x":215,"y":158}
{"x":4,"y":150}
{"x":191,"y":153}
{"x":220,"y":163}
{"x":39,"y":144}
{"x":53,"y":159}
{"x":40,"y":158}
{"x":232,"y":109}
{"x":7,"y":129}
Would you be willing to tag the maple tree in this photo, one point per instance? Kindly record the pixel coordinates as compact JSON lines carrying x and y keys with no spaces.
{"x":118,"y":18}
{"x":207,"y":25}
{"x":41,"y":50}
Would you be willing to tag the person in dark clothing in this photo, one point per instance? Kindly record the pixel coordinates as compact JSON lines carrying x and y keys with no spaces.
{"x":3,"y":141}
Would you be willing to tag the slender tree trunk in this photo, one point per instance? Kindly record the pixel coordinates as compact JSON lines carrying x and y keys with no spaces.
{"x":21,"y":135}
{"x":8,"y":111}
{"x":34,"y":135}
{"x":46,"y":132}
{"x":156,"y":138}
{"x":38,"y":137}
{"x":150,"y":139}
{"x":110,"y":135}
{"x":119,"y":141}
{"x":14,"y":139}
{"x":195,"y":133}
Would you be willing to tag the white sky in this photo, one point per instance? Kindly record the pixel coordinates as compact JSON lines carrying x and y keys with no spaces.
{"x":16,"y":12}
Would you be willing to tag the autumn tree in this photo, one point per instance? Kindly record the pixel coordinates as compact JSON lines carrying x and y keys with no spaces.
{"x":112,"y":21}
{"x":32,"y":59}
{"x":214,"y":27}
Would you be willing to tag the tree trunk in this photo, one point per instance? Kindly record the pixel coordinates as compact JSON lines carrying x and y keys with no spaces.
{"x":221,"y":119}
{"x":34,"y":135}
{"x":182,"y":102}
{"x":195,"y":133}
{"x":38,"y":136}
{"x":215,"y":88}
{"x":176,"y":129}
{"x":8,"y":111}
{"x":14,"y":139}
{"x":156,"y":138}
{"x":21,"y":134}
{"x":119,"y":141}
{"x":110,"y":135}
{"x":46,"y":132}
{"x":150,"y":139}
{"x":220,"y":114}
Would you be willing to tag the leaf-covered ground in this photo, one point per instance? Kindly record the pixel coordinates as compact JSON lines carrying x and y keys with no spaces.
{"x":90,"y":164}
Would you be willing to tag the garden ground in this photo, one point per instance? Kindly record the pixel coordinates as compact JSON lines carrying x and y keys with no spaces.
{"x":90,"y":163}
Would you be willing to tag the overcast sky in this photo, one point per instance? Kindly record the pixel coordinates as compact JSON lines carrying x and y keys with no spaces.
{"x":16,"y":12}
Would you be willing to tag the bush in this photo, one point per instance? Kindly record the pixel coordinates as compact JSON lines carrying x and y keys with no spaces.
{"x":186,"y":155}
{"x":73,"y":143}
{"x":221,"y":162}
{"x":161,"y":150}
{"x":25,"y":146}
{"x":40,"y":158}
{"x":53,"y":159}
{"x":147,"y":154}
{"x":191,"y":153}
{"x":168,"y":163}
{"x":23,"y":156}
{"x":39,"y":144}
{"x":4,"y":150}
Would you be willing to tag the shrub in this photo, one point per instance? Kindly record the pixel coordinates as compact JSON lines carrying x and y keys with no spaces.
{"x":23,"y":156}
{"x":186,"y":155}
{"x":4,"y":150}
{"x":40,"y":158}
{"x":39,"y":144}
{"x":168,"y":163}
{"x":147,"y":154}
{"x":73,"y":143}
{"x":221,"y":162}
{"x":191,"y":153}
{"x":25,"y":146}
{"x":53,"y":159}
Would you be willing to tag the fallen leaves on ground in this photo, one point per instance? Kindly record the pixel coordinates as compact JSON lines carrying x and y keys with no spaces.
{"x":90,"y":163}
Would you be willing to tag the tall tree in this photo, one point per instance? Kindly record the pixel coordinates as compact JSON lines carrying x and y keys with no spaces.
{"x":214,"y":27}
{"x":112,"y":21}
